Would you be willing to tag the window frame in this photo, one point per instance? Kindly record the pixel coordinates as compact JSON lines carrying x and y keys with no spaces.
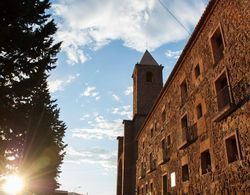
{"x":235,"y":135}
{"x":209,"y":152}
{"x":231,"y":103}
{"x":218,"y":27}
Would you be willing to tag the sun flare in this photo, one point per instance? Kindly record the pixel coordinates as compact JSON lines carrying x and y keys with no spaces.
{"x":13,"y":184}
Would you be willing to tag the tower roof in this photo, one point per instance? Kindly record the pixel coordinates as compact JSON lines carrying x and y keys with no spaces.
{"x":147,"y":59}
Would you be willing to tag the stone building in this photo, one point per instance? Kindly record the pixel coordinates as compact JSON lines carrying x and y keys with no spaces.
{"x":192,"y":135}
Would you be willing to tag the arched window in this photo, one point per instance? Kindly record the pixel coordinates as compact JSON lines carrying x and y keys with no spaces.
{"x":149,"y":76}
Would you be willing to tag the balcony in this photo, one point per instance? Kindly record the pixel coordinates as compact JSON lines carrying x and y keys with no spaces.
{"x":166,"y":155}
{"x":224,"y":103}
{"x":143,"y":172}
{"x":218,"y":54}
{"x":152,"y":165}
{"x":223,"y":98}
{"x":189,"y":135}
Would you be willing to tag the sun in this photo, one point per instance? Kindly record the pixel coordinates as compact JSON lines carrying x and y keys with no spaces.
{"x":13,"y":184}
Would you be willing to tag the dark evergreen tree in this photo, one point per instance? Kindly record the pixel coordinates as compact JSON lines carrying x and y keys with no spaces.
{"x":30,"y":130}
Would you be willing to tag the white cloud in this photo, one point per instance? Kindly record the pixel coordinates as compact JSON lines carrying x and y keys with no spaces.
{"x":89,"y":92}
{"x":173,"y":54}
{"x":60,"y":84}
{"x":123,"y":111}
{"x":93,"y":24}
{"x":99,"y":128}
{"x":116,"y":97}
{"x":99,"y":156}
{"x":129,"y":90}
{"x":84,"y":117}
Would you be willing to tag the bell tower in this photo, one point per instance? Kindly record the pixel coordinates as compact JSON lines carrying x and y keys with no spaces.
{"x":147,"y":84}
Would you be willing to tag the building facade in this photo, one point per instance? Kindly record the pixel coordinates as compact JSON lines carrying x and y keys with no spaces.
{"x":192,"y":136}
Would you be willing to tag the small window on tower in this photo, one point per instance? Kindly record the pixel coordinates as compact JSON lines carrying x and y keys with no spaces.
{"x":149,"y":77}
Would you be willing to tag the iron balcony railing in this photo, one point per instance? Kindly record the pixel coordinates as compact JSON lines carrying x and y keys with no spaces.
{"x":166,"y":154}
{"x":143,"y":172}
{"x":153,"y":165}
{"x":189,"y":134}
{"x":223,"y":98}
{"x":218,"y":53}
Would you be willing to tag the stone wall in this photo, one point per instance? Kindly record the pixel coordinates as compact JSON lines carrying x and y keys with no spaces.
{"x":215,"y":126}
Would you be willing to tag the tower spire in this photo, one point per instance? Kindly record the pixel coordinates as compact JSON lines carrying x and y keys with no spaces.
{"x":147,"y":59}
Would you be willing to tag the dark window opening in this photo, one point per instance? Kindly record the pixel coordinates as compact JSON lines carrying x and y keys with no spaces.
{"x":168,"y":140}
{"x":146,"y":188}
{"x":185,"y":174}
{"x":217,"y":45}
{"x":152,"y":132}
{"x":149,"y":77}
{"x":165,"y":184}
{"x":143,"y":171}
{"x":222,"y":92}
{"x":232,"y":151}
{"x":199,"y":111}
{"x":197,"y":71}
{"x":183,"y":91}
{"x":163,"y":116}
{"x":184,"y":122}
{"x":205,"y":162}
{"x":165,"y":150}
{"x":184,"y":127}
{"x":151,"y":187}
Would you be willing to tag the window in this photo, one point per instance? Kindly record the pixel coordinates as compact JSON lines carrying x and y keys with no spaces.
{"x":184,"y":122}
{"x":184,"y":127}
{"x":151,"y":132}
{"x":199,"y":111}
{"x":183,"y":91}
{"x":146,"y":188}
{"x":152,"y":162}
{"x":232,"y":149}
{"x":172,"y":179}
{"x":222,"y":92}
{"x":163,"y":116}
{"x":168,"y":140}
{"x":165,"y":151}
{"x":197,"y":71}
{"x":149,"y":77}
{"x":185,"y":174}
{"x":143,"y":172}
{"x":165,"y":184}
{"x":205,"y":162}
{"x":151,"y":187}
{"x":217,"y":45}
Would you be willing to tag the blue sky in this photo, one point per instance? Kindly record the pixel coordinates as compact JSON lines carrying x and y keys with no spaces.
{"x":102,"y":41}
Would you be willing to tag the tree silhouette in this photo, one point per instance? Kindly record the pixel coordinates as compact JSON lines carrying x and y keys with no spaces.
{"x":30,"y":130}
